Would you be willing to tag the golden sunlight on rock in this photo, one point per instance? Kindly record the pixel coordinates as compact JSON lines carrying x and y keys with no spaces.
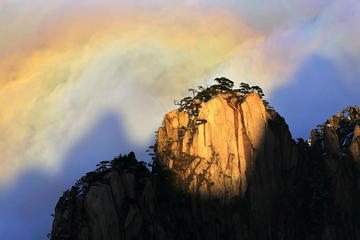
{"x":221,"y":146}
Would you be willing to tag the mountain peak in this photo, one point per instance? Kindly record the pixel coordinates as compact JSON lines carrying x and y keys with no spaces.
{"x":224,"y":167}
{"x":214,"y":151}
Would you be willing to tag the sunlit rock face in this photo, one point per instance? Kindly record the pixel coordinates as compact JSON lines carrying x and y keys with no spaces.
{"x":232,"y":150}
{"x":215,"y":153}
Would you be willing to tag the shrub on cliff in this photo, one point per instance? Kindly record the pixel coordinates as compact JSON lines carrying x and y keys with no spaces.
{"x":222,"y":86}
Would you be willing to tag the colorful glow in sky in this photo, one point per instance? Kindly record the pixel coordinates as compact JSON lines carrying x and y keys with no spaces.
{"x":64,"y":65}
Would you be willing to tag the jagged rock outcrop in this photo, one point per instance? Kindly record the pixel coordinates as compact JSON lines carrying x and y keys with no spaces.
{"x":115,"y":202}
{"x":335,"y":146}
{"x":225,"y":167}
{"x":216,"y":156}
{"x":234,"y":149}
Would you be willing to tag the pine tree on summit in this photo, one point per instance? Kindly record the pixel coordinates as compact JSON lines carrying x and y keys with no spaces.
{"x":222,"y":86}
{"x":245,"y":88}
{"x":225,"y":83}
{"x":258,"y":90}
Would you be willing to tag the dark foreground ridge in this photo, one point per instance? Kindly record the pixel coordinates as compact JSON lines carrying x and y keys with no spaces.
{"x":224,"y":167}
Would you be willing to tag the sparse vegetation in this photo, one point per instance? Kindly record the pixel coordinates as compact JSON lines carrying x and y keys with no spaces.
{"x":317,"y":189}
{"x":343,"y":125}
{"x":223,"y":85}
{"x":81,"y":187}
{"x":191,"y":105}
{"x":67,"y":202}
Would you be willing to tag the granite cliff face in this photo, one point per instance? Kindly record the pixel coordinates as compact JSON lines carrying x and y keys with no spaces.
{"x":216,"y":157}
{"x":225,"y":167}
{"x":235,"y":149}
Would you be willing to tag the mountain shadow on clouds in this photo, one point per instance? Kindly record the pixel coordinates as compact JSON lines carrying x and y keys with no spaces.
{"x":317,"y":91}
{"x":26,"y":207}
{"x":103,"y":142}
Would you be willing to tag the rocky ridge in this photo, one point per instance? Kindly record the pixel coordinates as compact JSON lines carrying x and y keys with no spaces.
{"x":225,"y":167}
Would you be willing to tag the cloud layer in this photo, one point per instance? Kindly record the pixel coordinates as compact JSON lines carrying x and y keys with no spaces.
{"x":63,"y":64}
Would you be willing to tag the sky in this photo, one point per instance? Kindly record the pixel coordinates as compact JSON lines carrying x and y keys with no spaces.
{"x":84,"y":81}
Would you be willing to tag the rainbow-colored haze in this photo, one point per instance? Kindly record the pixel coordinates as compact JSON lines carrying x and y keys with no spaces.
{"x":64,"y":64}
